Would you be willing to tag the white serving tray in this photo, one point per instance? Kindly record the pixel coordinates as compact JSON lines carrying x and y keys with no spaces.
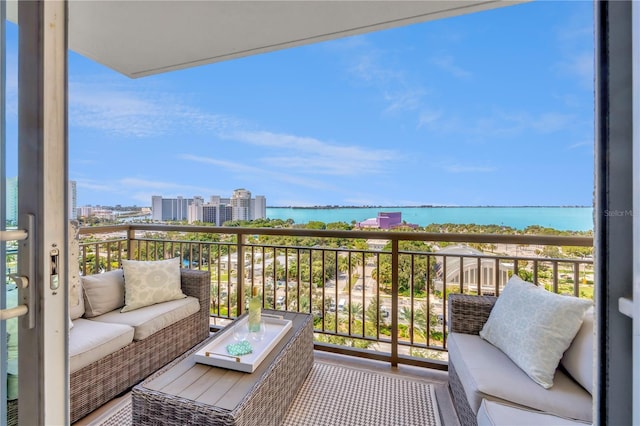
{"x":215,"y":353}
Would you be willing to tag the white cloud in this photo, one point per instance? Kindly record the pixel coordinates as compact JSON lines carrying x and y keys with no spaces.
{"x":501,"y":124}
{"x":93,"y":186}
{"x":371,"y":66}
{"x":117,"y":110}
{"x":428,"y":118}
{"x":447,"y":64}
{"x":550,"y":122}
{"x":403,"y":100}
{"x":588,"y":144}
{"x":140,"y":190}
{"x":244,"y":170}
{"x":136,"y":183}
{"x":580,"y":66}
{"x":367,"y":67}
{"x":313,"y":156}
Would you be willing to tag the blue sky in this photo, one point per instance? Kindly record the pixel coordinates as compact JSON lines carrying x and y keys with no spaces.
{"x":492,"y":108}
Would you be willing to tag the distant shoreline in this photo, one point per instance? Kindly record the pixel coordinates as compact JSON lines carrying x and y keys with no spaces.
{"x":420,"y":207}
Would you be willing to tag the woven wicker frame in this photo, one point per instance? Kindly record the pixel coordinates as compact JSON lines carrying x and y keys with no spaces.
{"x":467,"y":314}
{"x":266,"y":404}
{"x":101,"y":381}
{"x":12,"y":412}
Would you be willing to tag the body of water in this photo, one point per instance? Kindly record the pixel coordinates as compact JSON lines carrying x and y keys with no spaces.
{"x":561,"y":218}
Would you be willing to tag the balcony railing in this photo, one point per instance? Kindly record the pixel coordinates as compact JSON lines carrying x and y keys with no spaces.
{"x":374,"y":294}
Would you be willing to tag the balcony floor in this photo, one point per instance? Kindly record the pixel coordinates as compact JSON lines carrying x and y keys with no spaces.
{"x":438,"y":378}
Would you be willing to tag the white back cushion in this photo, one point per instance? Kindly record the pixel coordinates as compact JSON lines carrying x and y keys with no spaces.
{"x":103,"y":292}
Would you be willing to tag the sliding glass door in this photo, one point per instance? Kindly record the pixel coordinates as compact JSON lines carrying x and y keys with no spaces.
{"x":33,"y":215}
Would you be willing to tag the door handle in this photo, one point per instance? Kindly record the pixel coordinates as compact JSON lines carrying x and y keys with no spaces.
{"x":13,"y":235}
{"x":9,"y":313}
{"x":20,"y":310}
{"x":26,"y":292}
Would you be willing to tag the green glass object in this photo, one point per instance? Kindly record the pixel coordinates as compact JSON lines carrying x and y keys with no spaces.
{"x":255,"y":311}
{"x":240,"y":348}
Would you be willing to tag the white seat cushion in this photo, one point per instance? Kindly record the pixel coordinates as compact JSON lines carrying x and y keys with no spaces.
{"x":487,"y":373}
{"x":90,"y":341}
{"x":151,"y":319}
{"x":495,"y":414}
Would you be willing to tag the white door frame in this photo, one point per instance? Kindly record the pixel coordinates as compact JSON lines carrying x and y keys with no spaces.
{"x":3,"y":214}
{"x":635,"y":310}
{"x":42,"y":192}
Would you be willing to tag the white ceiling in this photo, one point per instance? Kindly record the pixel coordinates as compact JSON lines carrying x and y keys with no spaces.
{"x":146,"y":37}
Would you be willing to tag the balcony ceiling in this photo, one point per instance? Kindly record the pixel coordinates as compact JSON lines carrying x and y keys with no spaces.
{"x":139,"y":38}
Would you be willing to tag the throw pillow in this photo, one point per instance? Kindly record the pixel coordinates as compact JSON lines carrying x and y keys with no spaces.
{"x":150,"y":282}
{"x":578,"y":359}
{"x":534,"y":327}
{"x":103,"y":292}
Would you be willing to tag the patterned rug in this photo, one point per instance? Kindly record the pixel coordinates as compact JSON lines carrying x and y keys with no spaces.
{"x":336,"y":395}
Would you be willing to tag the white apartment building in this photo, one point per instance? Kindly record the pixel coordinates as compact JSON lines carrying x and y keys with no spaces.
{"x":194,"y":210}
{"x":84,"y":211}
{"x":173,"y":209}
{"x":259,"y":207}
{"x":241,"y":204}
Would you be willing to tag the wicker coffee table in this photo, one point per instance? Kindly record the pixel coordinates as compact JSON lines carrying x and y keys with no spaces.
{"x":185,"y":392}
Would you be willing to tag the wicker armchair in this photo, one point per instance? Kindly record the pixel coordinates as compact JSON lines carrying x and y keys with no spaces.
{"x":467,"y":314}
{"x":487,"y":385}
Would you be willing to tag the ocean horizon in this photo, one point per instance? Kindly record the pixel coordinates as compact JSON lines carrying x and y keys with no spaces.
{"x":563,"y":218}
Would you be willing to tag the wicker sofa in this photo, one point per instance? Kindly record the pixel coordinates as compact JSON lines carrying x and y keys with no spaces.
{"x":98,"y":382}
{"x":489,"y":389}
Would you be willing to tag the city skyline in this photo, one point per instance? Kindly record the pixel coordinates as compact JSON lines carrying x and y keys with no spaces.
{"x":240,"y":206}
{"x":491,"y":108}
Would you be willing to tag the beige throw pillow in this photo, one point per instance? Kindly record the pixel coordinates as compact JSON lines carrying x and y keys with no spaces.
{"x":150,"y":282}
{"x":103,"y":292}
{"x":534,"y":327}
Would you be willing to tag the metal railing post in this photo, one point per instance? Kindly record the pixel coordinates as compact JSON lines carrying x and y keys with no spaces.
{"x":395,"y":263}
{"x":131,"y":236}
{"x":240,"y":272}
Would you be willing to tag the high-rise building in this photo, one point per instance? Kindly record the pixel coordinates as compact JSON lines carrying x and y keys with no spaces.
{"x":210,"y":213}
{"x":259,"y":207}
{"x":226,"y":214}
{"x":156,"y":208}
{"x":173,"y":209}
{"x":241,"y":204}
{"x":12,"y":201}
{"x":72,"y":200}
{"x":84,"y":211}
{"x":217,"y":214}
{"x":194,"y":210}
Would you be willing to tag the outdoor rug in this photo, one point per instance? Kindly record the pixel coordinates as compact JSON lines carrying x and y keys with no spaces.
{"x":334,"y":395}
